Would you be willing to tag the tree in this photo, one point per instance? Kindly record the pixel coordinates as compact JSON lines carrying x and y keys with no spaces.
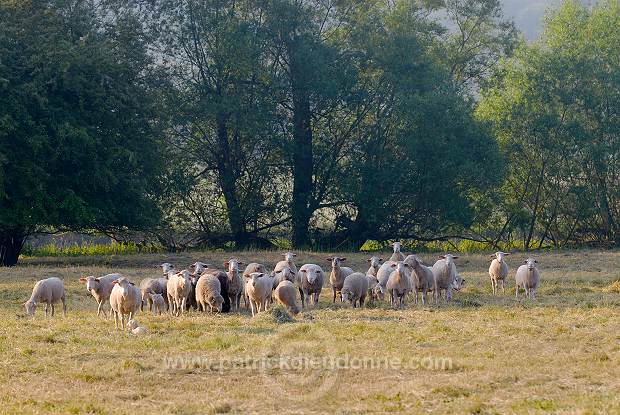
{"x":79,"y":148}
{"x":555,"y":114}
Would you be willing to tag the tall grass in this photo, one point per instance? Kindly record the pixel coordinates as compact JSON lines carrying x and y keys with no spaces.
{"x":89,"y":249}
{"x":464,"y":246}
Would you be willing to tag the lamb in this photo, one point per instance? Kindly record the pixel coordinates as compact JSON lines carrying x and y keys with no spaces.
{"x":100,"y":288}
{"x":337,"y":276}
{"x":258,"y":288}
{"x":209,"y":293}
{"x":235,"y":283}
{"x":310,"y":283}
{"x":48,"y":291}
{"x":178,"y":288}
{"x":135,"y":328}
{"x":159,"y":305}
{"x":372,"y":293}
{"x":397,"y":255}
{"x":498,"y":270}
{"x":375,"y":264}
{"x":124,"y":299}
{"x":286,"y":294}
{"x":399,"y":283}
{"x":527,"y":277}
{"x":422,"y":279}
{"x":445,"y":277}
{"x":355,"y":288}
{"x":152,"y":285}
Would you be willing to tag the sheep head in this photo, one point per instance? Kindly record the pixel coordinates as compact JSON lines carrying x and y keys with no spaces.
{"x":289,"y":256}
{"x":531,"y":263}
{"x":31,"y":307}
{"x":91,"y":282}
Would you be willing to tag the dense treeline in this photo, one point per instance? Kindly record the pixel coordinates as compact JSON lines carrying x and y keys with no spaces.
{"x":329,"y":123}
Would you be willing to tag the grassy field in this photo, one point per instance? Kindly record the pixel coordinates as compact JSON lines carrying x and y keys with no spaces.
{"x":481,"y":354}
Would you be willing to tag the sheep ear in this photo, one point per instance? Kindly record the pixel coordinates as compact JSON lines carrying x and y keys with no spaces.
{"x":343,"y":259}
{"x":329,"y":259}
{"x":506,"y":253}
{"x":294,"y":255}
{"x":525,"y":262}
{"x":380,"y":259}
{"x":368,"y":260}
{"x":303,"y":270}
{"x":82,"y":279}
{"x":442,"y":257}
{"x":455,"y":257}
{"x":131,"y":283}
{"x":226,"y":263}
{"x":536,"y":261}
{"x":393,"y":265}
{"x":98,"y":279}
{"x":114,"y":282}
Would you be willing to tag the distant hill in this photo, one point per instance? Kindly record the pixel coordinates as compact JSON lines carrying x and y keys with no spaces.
{"x":528,"y":14}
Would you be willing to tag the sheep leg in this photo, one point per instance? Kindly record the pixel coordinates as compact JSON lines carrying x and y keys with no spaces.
{"x":517,"y":292}
{"x":99,"y":308}
{"x":46,"y":309}
{"x":64,"y":306}
{"x":301,"y":294}
{"x":334,"y":299}
{"x":122,"y":321}
{"x":52,"y":309}
{"x":115,"y":320}
{"x":183,"y":305}
{"x":503,"y":287}
{"x":252,"y":307}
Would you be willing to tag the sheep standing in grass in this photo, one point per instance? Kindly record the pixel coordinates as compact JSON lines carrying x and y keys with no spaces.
{"x":311,"y":278}
{"x":286,"y":294}
{"x":250,"y":269}
{"x":375,"y":264}
{"x":258,"y":288}
{"x":399,"y":283}
{"x":168,"y":269}
{"x":224,"y":288}
{"x":528,"y":278}
{"x":422,"y":280}
{"x":159,"y":305}
{"x":283,"y":273}
{"x":383,"y":274}
{"x":445,"y":277}
{"x":199,"y":267}
{"x":235,"y":283}
{"x":397,"y":255}
{"x":48,"y":291}
{"x":151,"y":285}
{"x":209,"y":293}
{"x":178,"y":288}
{"x":338,"y":275}
{"x":372,"y":295}
{"x":498,"y":270}
{"x":125,"y":299}
{"x":355,"y":289}
{"x":100,"y":288}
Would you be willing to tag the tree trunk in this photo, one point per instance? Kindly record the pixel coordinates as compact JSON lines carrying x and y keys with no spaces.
{"x":530,"y":233}
{"x":11,"y":244}
{"x":301,"y":210}
{"x":227,"y":179}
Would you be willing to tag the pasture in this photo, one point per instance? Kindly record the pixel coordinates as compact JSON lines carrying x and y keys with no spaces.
{"x":480,"y":354}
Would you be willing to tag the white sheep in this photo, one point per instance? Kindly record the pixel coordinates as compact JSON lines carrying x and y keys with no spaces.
{"x":124,"y":299}
{"x":498,"y":270}
{"x":355,"y":288}
{"x":383,"y":274}
{"x":311,"y":283}
{"x":158,"y":302}
{"x":250,"y":269}
{"x":48,"y":291}
{"x":178,"y":289}
{"x":338,"y":275}
{"x":258,"y":288}
{"x":209,"y":293}
{"x":199,"y":267}
{"x":289,"y":262}
{"x":528,"y":278}
{"x":286,"y":294}
{"x":152,"y":285}
{"x":399,"y":283}
{"x":168,"y":269}
{"x":397,"y":255}
{"x":135,"y":328}
{"x":100,"y":288}
{"x":445,"y":277}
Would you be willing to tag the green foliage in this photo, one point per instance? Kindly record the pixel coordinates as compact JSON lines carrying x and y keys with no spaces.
{"x":114,"y":248}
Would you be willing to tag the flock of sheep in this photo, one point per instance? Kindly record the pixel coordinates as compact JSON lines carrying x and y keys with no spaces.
{"x":207,"y":288}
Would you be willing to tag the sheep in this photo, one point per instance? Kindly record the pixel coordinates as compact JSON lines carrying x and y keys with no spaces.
{"x":249,"y":270}
{"x":191,"y":296}
{"x":168,"y":269}
{"x":527,"y":277}
{"x":209,"y":293}
{"x":283,"y":273}
{"x":178,"y":288}
{"x":48,"y":291}
{"x":445,"y":277}
{"x":422,"y":279}
{"x":159,"y":305}
{"x":397,"y":255}
{"x":383,"y":274}
{"x":224,"y":288}
{"x":399,"y":283}
{"x":286,"y":294}
{"x":372,"y":295}
{"x":199,"y":267}
{"x":337,"y":276}
{"x":498,"y":270}
{"x":258,"y":288}
{"x":124,"y":299}
{"x":375,"y":264}
{"x":355,"y":288}
{"x":135,"y":328}
{"x":152,"y":285}
{"x":235,"y":282}
{"x":100,"y":288}
{"x":311,"y":283}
